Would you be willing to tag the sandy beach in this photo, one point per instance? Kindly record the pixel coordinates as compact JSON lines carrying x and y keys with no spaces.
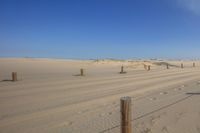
{"x":51,"y":97}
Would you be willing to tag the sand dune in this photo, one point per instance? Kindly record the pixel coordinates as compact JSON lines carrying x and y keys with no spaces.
{"x":49,"y":98}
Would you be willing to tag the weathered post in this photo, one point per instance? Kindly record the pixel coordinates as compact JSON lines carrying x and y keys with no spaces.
{"x":145,"y":67}
{"x":82,"y":72}
{"x":14,"y":76}
{"x":126,"y":125}
{"x":194,"y":64}
{"x":167,"y":66}
{"x":181,"y":65}
{"x":122,"y":70}
{"x":149,"y":68}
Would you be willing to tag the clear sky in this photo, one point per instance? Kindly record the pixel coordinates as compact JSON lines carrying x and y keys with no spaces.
{"x":85,"y":29}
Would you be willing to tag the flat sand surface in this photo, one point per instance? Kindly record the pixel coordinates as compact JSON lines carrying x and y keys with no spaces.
{"x":51,"y":97}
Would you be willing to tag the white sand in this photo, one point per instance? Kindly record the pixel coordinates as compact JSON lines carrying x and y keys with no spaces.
{"x":48,"y":98}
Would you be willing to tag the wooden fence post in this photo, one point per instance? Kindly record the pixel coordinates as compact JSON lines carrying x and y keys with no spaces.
{"x":167,"y":66}
{"x":149,"y":68}
{"x":181,"y":65}
{"x":81,"y":72}
{"x":14,"y":76}
{"x":126,"y":125}
{"x":145,"y":67}
{"x":194,"y":64}
{"x":122,"y":70}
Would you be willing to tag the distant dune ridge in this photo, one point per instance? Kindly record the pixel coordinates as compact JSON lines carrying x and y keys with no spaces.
{"x":48,"y":98}
{"x":139,"y":63}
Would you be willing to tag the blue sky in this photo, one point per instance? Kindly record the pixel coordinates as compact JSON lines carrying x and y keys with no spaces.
{"x":85,"y":29}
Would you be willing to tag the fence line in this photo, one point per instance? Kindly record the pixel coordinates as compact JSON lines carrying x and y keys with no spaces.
{"x":149,"y":113}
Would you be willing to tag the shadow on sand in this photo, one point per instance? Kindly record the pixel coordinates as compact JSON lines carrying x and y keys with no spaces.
{"x":6,"y":80}
{"x":193,"y":93}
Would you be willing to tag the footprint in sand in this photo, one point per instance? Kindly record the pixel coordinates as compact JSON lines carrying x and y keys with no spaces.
{"x":178,"y":89}
{"x":142,"y":128}
{"x":79,"y":112}
{"x":68,"y":123}
{"x":178,"y":116}
{"x":198,"y":129}
{"x":116,"y":106}
{"x":183,"y":86}
{"x":146,"y":130}
{"x":137,"y":125}
{"x":84,"y":111}
{"x":153,"y":99}
{"x":163,"y":93}
{"x":152,"y":120}
{"x":101,"y":115}
{"x":165,"y":130}
{"x":164,"y":113}
{"x":105,"y":104}
{"x":110,"y":113}
{"x":114,"y":103}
